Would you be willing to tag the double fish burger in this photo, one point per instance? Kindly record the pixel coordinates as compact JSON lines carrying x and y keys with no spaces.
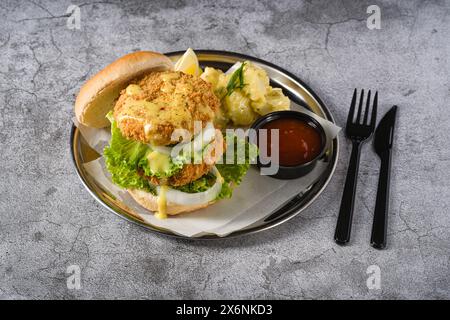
{"x":165,"y":149}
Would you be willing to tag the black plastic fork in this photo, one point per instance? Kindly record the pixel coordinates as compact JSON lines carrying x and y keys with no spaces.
{"x":358,"y":131}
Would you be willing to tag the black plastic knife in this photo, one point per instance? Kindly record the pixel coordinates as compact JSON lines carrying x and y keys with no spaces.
{"x":383,"y":141}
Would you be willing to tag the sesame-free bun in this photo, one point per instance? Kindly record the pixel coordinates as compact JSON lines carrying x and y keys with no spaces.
{"x":97,"y":96}
{"x":150,"y":202}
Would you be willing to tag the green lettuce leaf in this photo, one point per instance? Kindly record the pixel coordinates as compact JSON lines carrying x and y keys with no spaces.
{"x":232,"y":173}
{"x":122,"y":159}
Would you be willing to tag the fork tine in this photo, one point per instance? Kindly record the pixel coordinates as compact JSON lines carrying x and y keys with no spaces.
{"x":351,"y":112}
{"x":373,"y":120}
{"x":366,"y":113}
{"x":361,"y":98}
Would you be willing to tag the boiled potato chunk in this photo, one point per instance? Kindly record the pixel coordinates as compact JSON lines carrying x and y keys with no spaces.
{"x":277,"y":101}
{"x":217,"y":79}
{"x":274,"y":100}
{"x":211,"y":75}
{"x":260,"y":106}
{"x":238,"y":109}
{"x":256,"y":82}
{"x":221,"y":119}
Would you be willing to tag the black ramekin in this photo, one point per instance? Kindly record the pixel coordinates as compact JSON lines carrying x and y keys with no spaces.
{"x":292,"y":172}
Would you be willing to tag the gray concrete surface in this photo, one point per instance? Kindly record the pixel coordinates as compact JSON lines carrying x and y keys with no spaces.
{"x":48,"y":221}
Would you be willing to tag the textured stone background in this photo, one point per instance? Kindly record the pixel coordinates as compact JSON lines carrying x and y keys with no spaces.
{"x":48,"y":221}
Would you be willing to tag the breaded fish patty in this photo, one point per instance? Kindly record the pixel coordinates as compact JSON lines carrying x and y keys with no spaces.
{"x":189,"y":173}
{"x":149,"y":110}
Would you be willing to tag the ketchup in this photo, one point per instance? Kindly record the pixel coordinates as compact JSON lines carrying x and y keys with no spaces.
{"x":299,"y":141}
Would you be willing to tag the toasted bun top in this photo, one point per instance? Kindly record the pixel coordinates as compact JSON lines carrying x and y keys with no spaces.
{"x":97,"y":96}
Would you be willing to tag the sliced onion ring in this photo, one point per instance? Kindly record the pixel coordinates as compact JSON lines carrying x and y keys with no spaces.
{"x":205,"y":137}
{"x":198,"y":143}
{"x":183,"y":198}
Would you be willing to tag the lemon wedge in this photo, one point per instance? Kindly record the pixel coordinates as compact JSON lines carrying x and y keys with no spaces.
{"x":188,"y":63}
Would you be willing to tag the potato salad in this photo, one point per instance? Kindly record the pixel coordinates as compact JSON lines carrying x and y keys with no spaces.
{"x":245,"y":93}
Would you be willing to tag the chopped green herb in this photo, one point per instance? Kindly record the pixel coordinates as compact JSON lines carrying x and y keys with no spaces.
{"x":236,"y":80}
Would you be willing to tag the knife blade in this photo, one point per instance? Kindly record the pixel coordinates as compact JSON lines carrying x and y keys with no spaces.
{"x":383,"y":143}
{"x":384,"y":133}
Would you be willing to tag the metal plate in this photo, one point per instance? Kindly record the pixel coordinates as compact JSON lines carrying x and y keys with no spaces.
{"x":292,"y":86}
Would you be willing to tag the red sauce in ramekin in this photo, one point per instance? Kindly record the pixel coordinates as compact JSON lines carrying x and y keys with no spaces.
{"x":299,"y":142}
